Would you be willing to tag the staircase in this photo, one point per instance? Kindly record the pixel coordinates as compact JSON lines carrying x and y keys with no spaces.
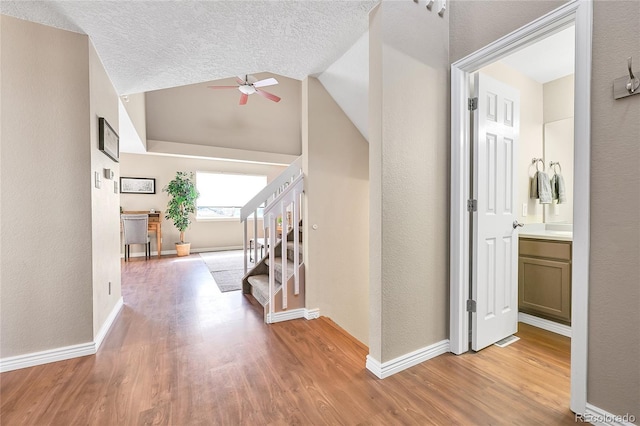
{"x":280,"y":293}
{"x":258,"y":281}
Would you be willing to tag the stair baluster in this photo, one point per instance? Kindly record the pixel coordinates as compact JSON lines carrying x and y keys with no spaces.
{"x":283,"y":256}
{"x":296,"y":240}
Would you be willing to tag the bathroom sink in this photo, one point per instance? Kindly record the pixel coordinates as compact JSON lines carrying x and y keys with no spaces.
{"x":559,"y":227}
{"x":548,"y":231}
{"x":561,"y":233}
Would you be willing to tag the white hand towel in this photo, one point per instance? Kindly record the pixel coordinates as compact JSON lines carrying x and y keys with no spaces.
{"x":554,"y":187}
{"x":560,"y":188}
{"x":544,"y":188}
{"x":533,"y":190}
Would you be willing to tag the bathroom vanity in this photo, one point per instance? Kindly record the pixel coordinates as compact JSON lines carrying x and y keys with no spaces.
{"x":544,"y":269}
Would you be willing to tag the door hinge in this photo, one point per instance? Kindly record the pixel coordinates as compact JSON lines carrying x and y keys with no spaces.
{"x":471,"y":305}
{"x":473,"y":104}
{"x":472,"y":205}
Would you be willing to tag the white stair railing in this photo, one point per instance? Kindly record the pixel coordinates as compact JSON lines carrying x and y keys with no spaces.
{"x":290,"y":199}
{"x":264,"y":199}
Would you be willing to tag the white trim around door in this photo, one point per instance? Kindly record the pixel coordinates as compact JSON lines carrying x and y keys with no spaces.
{"x":578,"y":12}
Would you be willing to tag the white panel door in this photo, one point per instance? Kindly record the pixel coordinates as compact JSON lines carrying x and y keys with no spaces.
{"x":495,"y":241}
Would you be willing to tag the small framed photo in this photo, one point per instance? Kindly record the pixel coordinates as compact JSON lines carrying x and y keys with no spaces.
{"x":135,"y":185}
{"x":108,"y":140}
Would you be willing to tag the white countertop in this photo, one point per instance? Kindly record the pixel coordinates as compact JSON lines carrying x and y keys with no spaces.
{"x":547,"y":232}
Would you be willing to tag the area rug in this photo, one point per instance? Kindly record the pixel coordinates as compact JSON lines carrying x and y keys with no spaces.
{"x":227,"y":268}
{"x":228,"y":280}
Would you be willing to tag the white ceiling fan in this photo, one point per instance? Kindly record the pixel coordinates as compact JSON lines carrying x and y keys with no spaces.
{"x":248,"y":85}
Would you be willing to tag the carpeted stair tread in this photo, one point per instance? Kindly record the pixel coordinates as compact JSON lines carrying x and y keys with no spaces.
{"x":278,"y":268}
{"x":290,"y":251}
{"x":260,"y":288}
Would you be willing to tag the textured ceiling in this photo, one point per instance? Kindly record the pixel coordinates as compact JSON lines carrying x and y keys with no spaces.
{"x":150,"y":45}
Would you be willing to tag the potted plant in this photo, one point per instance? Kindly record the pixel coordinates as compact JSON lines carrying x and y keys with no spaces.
{"x":182,"y":203}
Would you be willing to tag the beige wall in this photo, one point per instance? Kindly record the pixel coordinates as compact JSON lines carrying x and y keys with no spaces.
{"x":105,"y":217}
{"x":531,"y":141}
{"x":194,"y":114}
{"x":375,"y":183}
{"x":614,"y":294}
{"x":336,"y":171}
{"x":409,"y":140}
{"x":46,"y":258}
{"x":203,"y":235}
{"x":136,"y":108}
{"x":558,"y":99}
{"x":474,"y":24}
{"x":1,"y":198}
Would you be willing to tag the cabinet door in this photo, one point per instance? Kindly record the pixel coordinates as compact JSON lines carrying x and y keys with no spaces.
{"x":545,"y":287}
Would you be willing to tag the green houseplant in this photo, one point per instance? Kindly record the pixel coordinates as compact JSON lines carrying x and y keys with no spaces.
{"x":182,"y":203}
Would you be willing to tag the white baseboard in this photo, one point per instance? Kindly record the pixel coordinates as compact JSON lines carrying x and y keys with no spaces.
{"x":598,"y":416}
{"x":45,"y":357}
{"x":293,"y":314}
{"x":193,"y":250}
{"x":285,"y":315}
{"x":311,"y":314}
{"x":389,"y":368}
{"x":207,"y":249}
{"x":545,"y":324}
{"x":108,"y":323}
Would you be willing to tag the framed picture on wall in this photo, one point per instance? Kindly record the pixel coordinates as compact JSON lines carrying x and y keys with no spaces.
{"x":136,"y":185}
{"x":108,"y":140}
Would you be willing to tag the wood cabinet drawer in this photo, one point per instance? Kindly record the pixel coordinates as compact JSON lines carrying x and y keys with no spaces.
{"x":548,"y":249}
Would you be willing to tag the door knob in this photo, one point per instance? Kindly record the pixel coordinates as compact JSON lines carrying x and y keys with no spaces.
{"x":517,"y":224}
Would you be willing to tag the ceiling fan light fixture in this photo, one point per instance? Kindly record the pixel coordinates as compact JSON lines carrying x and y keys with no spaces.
{"x":247,"y":89}
{"x":248,"y":85}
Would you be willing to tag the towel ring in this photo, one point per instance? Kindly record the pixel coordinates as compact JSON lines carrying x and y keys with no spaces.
{"x":553,"y":167}
{"x":536,"y":162}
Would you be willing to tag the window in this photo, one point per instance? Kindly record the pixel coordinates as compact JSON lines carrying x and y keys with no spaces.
{"x":222,"y":195}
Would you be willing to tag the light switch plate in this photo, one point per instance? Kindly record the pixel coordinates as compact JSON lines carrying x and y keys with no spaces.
{"x":97,"y":180}
{"x":524,"y":209}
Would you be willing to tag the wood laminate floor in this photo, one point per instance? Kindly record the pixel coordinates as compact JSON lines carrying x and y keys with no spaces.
{"x":182,"y":353}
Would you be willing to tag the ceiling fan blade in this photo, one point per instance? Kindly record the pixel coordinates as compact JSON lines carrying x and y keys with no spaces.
{"x":241,"y":79}
{"x":243,"y":99}
{"x":268,"y":95}
{"x":222,"y":87}
{"x":265,"y":82}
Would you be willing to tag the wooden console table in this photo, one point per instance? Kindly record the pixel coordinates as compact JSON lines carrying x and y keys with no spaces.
{"x":155,"y":225}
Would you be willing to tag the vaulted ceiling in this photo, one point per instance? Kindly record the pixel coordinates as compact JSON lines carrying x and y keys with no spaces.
{"x":150,"y":45}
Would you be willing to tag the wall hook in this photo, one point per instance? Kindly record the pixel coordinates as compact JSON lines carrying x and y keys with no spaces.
{"x":633,"y":83}
{"x":627,"y":85}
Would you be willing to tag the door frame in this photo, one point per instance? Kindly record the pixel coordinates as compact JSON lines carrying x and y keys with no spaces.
{"x":580,"y":13}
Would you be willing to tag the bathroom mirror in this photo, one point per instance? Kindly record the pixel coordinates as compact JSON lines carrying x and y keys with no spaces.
{"x":558,"y":148}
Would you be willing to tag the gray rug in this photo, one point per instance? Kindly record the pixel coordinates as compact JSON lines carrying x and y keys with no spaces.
{"x":228,"y":280}
{"x":227,"y":268}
